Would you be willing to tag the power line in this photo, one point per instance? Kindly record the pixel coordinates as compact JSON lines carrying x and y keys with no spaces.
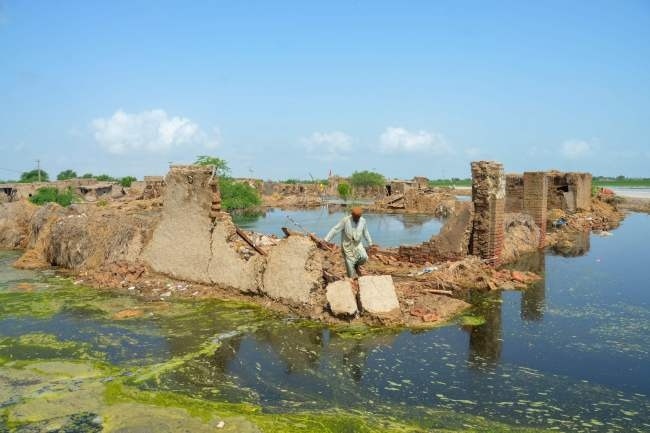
{"x":9,"y":169}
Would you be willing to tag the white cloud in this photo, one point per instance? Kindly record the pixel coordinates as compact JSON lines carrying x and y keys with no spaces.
{"x":327,"y":146}
{"x":394,"y":140}
{"x":573,"y":149}
{"x":150,"y":131}
{"x":472,"y":152}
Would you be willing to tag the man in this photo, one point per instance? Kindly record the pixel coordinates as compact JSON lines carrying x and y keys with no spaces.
{"x":353,"y":228}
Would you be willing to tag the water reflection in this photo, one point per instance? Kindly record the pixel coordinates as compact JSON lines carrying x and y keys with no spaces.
{"x":298,"y":348}
{"x":533,"y":298}
{"x":485,"y":340}
{"x":577,"y":244}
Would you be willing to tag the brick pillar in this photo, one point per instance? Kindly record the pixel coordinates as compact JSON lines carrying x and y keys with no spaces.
{"x":535,"y":200}
{"x":488,"y":195}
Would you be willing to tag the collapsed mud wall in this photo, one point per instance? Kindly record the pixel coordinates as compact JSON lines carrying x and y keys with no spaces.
{"x":188,"y":243}
{"x":78,"y":238}
{"x":522,"y":235}
{"x":14,"y":224}
{"x":436,"y":203}
{"x":194,"y":242}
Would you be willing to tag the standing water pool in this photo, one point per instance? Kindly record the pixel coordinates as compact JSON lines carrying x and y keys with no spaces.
{"x":568,"y":354}
{"x":387,"y":230}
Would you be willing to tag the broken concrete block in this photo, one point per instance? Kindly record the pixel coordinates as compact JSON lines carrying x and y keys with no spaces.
{"x":293,"y":271}
{"x":341,"y":298}
{"x":377,"y":295}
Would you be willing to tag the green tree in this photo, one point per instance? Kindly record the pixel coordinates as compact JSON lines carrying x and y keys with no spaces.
{"x":66,"y":174}
{"x":220,"y":165}
{"x":367,"y":178}
{"x":126,"y":181}
{"x":87,"y":176}
{"x":344,"y":190}
{"x":105,"y":178}
{"x":32,"y":176}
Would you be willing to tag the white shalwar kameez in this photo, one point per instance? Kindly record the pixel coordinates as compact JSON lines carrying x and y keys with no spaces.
{"x":352,"y":247}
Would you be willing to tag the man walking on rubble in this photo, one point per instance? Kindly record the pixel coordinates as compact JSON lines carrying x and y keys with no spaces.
{"x":353,"y":228}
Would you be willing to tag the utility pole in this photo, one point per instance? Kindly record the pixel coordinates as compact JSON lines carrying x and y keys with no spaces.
{"x":38,"y":169}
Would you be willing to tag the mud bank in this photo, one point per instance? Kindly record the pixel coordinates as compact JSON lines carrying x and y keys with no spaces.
{"x":634,"y":204}
{"x":188,"y":247}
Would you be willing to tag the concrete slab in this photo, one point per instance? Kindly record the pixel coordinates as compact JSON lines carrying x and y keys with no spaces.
{"x":293,"y":272}
{"x":341,"y":298}
{"x":377,"y":295}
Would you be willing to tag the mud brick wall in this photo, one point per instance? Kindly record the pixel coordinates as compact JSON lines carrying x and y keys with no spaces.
{"x":569,"y":191}
{"x":514,"y":193}
{"x":535,"y":200}
{"x":489,"y":198}
{"x":154,"y":187}
{"x":582,"y":182}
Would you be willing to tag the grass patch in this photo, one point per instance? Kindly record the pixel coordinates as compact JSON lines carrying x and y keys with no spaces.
{"x":471,"y":320}
{"x":53,"y":195}
{"x":627,"y":182}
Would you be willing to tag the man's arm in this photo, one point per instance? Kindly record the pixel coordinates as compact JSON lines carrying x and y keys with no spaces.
{"x":335,"y":230}
{"x":366,"y":234}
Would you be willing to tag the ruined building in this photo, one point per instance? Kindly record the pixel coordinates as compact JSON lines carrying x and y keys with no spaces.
{"x":569,"y":192}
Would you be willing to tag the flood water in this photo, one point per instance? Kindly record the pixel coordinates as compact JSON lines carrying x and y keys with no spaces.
{"x":570,"y":354}
{"x":632,"y":192}
{"x":388,"y":230}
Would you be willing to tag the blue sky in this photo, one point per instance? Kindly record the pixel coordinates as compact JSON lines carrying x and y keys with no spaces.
{"x":285,"y":89}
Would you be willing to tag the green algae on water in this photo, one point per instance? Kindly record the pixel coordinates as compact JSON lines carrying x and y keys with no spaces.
{"x":45,"y":346}
{"x":468,"y":320}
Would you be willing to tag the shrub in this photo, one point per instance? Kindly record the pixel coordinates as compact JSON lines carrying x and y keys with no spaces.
{"x":66,"y":174}
{"x":126,"y":181}
{"x":87,"y":176}
{"x":237,"y":195}
{"x":367,"y":178}
{"x":344,"y":190}
{"x":53,"y":195}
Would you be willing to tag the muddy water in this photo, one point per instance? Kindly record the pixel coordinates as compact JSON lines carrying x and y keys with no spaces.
{"x":569,"y":354}
{"x":388,"y":230}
